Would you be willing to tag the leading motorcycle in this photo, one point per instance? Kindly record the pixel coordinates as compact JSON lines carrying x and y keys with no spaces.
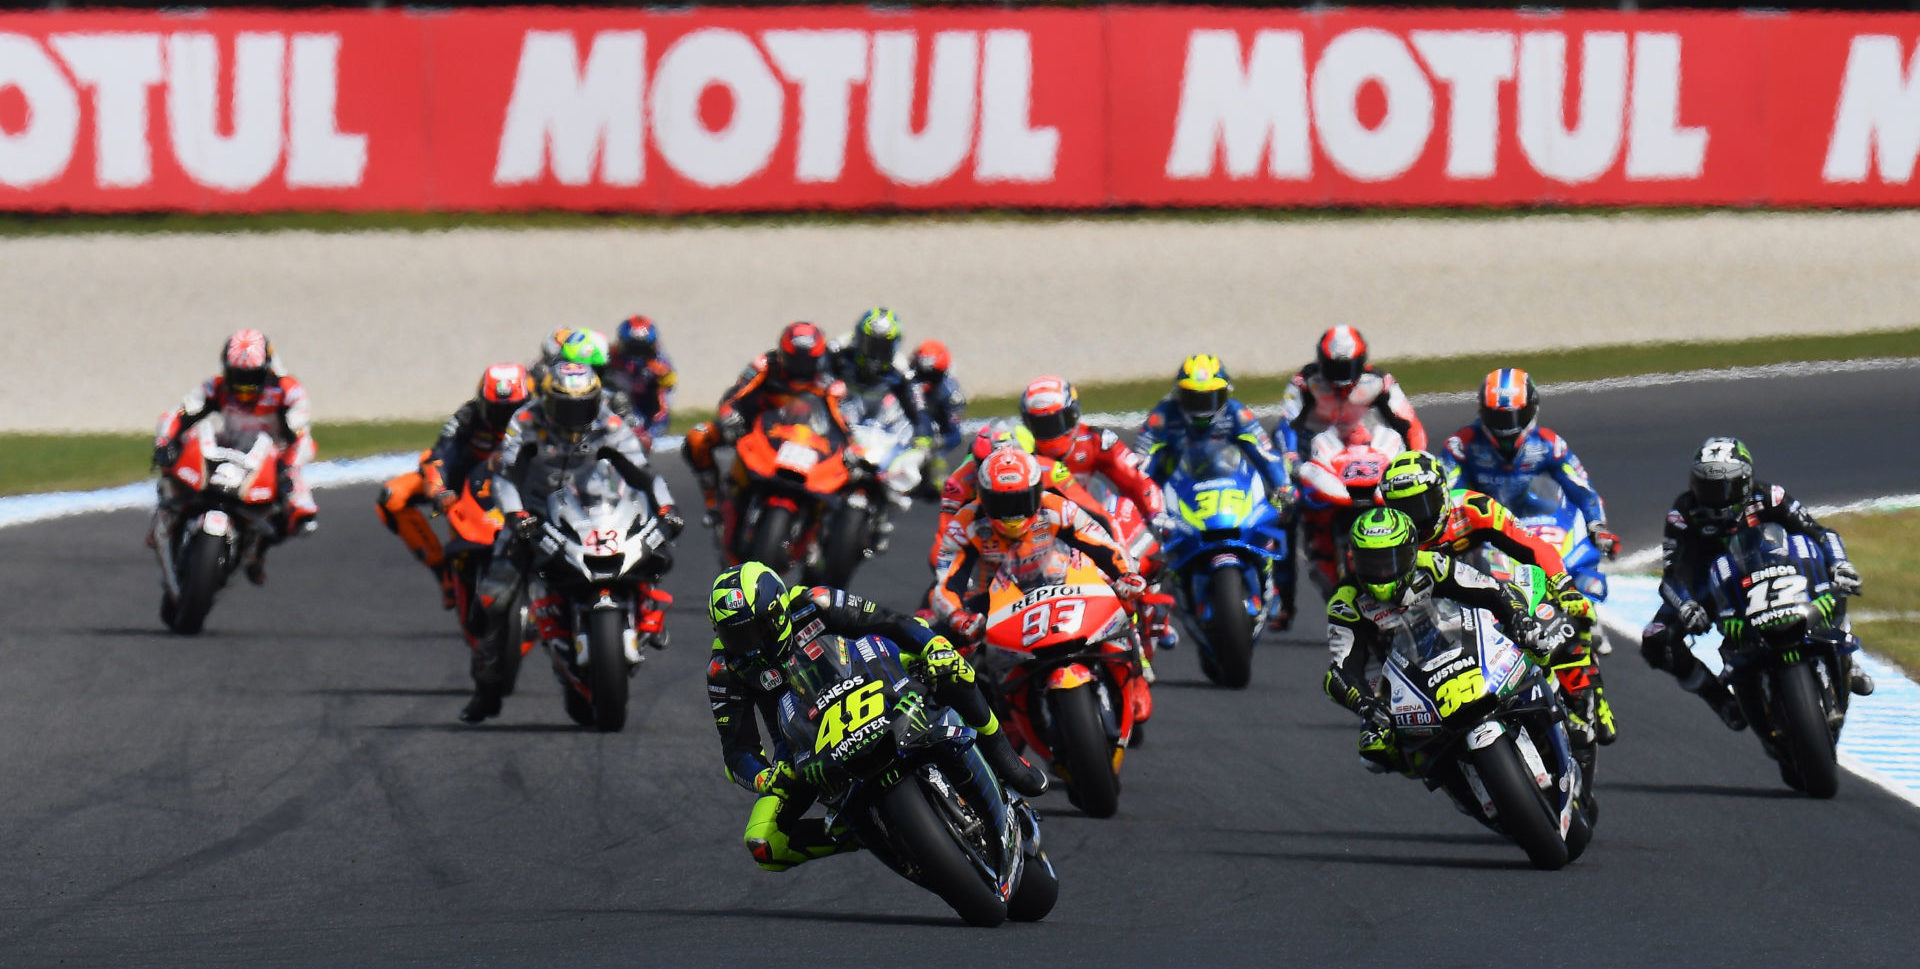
{"x":904,"y":775}
{"x":223,"y":489}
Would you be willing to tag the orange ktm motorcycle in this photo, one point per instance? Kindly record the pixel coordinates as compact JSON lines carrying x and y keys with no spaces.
{"x":791,"y":478}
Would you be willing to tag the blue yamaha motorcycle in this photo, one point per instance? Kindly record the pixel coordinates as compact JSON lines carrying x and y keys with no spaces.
{"x":1226,"y":542}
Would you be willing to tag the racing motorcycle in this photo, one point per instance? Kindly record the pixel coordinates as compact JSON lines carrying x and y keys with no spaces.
{"x":1786,"y":651}
{"x":1542,"y":508}
{"x":473,"y":522}
{"x":1338,"y":480}
{"x":791,"y":477}
{"x":224,"y":494}
{"x":888,"y":471}
{"x":904,"y":776}
{"x":1222,"y":552}
{"x":599,"y":552}
{"x":1474,"y":717}
{"x":1064,"y":655}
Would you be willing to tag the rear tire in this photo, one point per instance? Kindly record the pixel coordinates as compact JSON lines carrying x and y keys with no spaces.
{"x":199,"y":580}
{"x":1805,"y":739}
{"x":1524,"y":813}
{"x":606,"y":668}
{"x":1083,"y":745}
{"x":1230,"y":633}
{"x":768,"y":544}
{"x":919,"y":829}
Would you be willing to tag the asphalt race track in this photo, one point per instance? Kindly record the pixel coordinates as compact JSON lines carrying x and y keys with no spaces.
{"x":291,"y":788}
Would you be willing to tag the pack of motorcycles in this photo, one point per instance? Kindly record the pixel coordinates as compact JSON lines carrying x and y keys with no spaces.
{"x":1061,"y":656}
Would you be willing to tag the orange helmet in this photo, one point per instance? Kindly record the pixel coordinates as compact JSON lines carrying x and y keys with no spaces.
{"x":932,"y":357}
{"x":503,"y":388}
{"x":998,"y":434}
{"x":1010,"y":490}
{"x":802,"y":352}
{"x":1051,"y":410}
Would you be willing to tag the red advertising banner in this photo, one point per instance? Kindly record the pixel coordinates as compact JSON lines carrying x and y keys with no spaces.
{"x":853,"y":108}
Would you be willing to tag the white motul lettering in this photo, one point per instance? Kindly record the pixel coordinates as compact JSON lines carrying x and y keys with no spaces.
{"x":574,"y":116}
{"x":936,"y":151}
{"x":724,"y":58}
{"x":1584,"y":152}
{"x":1879,"y":114}
{"x":1247,"y":108}
{"x":40,"y":151}
{"x":119,"y":68}
{"x":825,"y":64}
{"x":1011,"y":149}
{"x":319,"y":155}
{"x":242,"y":160}
{"x":1472,"y":64}
{"x":1657,"y":146}
{"x":1352,"y":60}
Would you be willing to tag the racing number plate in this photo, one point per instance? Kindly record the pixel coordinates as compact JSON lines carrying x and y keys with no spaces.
{"x":849,"y":714}
{"x":795,"y":455}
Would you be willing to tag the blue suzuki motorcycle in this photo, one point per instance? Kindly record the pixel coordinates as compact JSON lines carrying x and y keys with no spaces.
{"x":1226,"y":542}
{"x":1542,"y":508}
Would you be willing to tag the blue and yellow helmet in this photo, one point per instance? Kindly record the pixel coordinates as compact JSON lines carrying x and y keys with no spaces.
{"x":1202,"y":387}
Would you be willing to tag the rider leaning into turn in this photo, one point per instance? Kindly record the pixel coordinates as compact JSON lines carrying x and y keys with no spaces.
{"x":467,"y":440}
{"x":1506,"y":448}
{"x":795,"y":367}
{"x":1201,"y":407}
{"x":1459,"y":522}
{"x":1390,"y":574}
{"x":758,"y":621}
{"x":1722,"y":497}
{"x":251,"y":394}
{"x":568,"y":427}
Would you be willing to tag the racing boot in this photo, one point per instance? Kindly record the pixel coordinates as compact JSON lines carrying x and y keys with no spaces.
{"x":1013,"y":769}
{"x":485,"y":703}
{"x":1603,"y":729}
{"x":445,"y":576}
{"x":1709,"y":688}
{"x":1859,"y":682}
{"x":776,"y":850}
{"x":709,"y":480}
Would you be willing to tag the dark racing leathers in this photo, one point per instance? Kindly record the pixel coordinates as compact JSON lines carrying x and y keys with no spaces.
{"x":894,"y":380}
{"x":466,"y":442}
{"x":1694,"y":538}
{"x":761,"y":387}
{"x":743,"y":696}
{"x":532,"y":463}
{"x":647,"y":383}
{"x":1474,"y":460}
{"x":1359,"y":627}
{"x":946,"y":407}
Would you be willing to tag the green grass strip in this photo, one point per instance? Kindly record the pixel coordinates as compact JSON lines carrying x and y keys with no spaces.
{"x":1886,"y":549}
{"x":37,"y":462}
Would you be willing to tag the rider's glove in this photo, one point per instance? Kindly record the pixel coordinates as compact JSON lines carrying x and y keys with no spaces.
{"x":1693,"y":617}
{"x":1374,"y":711}
{"x":945,"y":664}
{"x":525,"y":527}
{"x":1604,"y":539}
{"x":968,"y":625}
{"x":1130,"y":587}
{"x":163,"y":456}
{"x":671,"y":524}
{"x":732,"y":426}
{"x":444,"y":500}
{"x":1846,"y":578}
{"x":773,"y":780}
{"x":1164,"y":524}
{"x":1573,"y":603}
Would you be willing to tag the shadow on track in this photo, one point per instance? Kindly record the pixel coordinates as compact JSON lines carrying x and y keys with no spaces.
{"x":1427,"y":837}
{"x":1392,"y":861}
{"x":453,"y":726}
{"x":1709,"y":790}
{"x":792,"y":915}
{"x":402,"y":691}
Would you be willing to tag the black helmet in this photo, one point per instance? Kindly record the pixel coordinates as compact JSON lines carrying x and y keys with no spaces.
{"x":570,"y":396}
{"x":1342,"y":355}
{"x":748,"y":610}
{"x":1722,"y":478}
{"x":876,"y":341}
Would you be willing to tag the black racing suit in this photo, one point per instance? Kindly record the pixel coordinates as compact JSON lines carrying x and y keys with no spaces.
{"x":1694,"y":539}
{"x":466,"y":442}
{"x":897,"y":381}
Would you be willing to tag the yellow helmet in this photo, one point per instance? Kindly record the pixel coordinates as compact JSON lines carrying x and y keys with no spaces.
{"x":1202,"y":387}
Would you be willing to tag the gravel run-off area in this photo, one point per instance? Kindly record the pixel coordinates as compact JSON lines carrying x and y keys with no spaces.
{"x":105,"y":331}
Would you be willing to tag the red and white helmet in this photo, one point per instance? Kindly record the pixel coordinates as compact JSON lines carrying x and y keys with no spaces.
{"x":246,"y":363}
{"x":1051,"y":410}
{"x":503,"y":389}
{"x":802,"y":352}
{"x":1009,"y":489}
{"x":1342,"y":355}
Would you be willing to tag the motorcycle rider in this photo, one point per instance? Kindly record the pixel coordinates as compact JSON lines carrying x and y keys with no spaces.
{"x":868,"y":359}
{"x":1458,"y":522}
{"x":1341,"y":387}
{"x":797,"y":365}
{"x":758,"y":621}
{"x":946,"y":402}
{"x":467,"y":440}
{"x":1050,"y":409}
{"x":1388,"y":574}
{"x":1506,"y":448}
{"x":251,"y":393}
{"x":1202,"y":407}
{"x":1723,"y":497}
{"x":569,"y":426}
{"x":638,"y":368}
{"x":1013,"y":517}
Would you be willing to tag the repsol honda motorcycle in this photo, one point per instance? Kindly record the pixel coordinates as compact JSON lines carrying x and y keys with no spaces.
{"x":903,"y":774}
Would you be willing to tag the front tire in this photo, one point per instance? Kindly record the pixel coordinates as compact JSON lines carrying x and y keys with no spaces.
{"x":1805,"y":739}
{"x":1523,"y":812}
{"x":768,"y":544}
{"x":1083,"y":745}
{"x":607,"y":668}
{"x":1230,"y":632}
{"x":1039,"y":888}
{"x":199,"y":580}
{"x":917,"y":828}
